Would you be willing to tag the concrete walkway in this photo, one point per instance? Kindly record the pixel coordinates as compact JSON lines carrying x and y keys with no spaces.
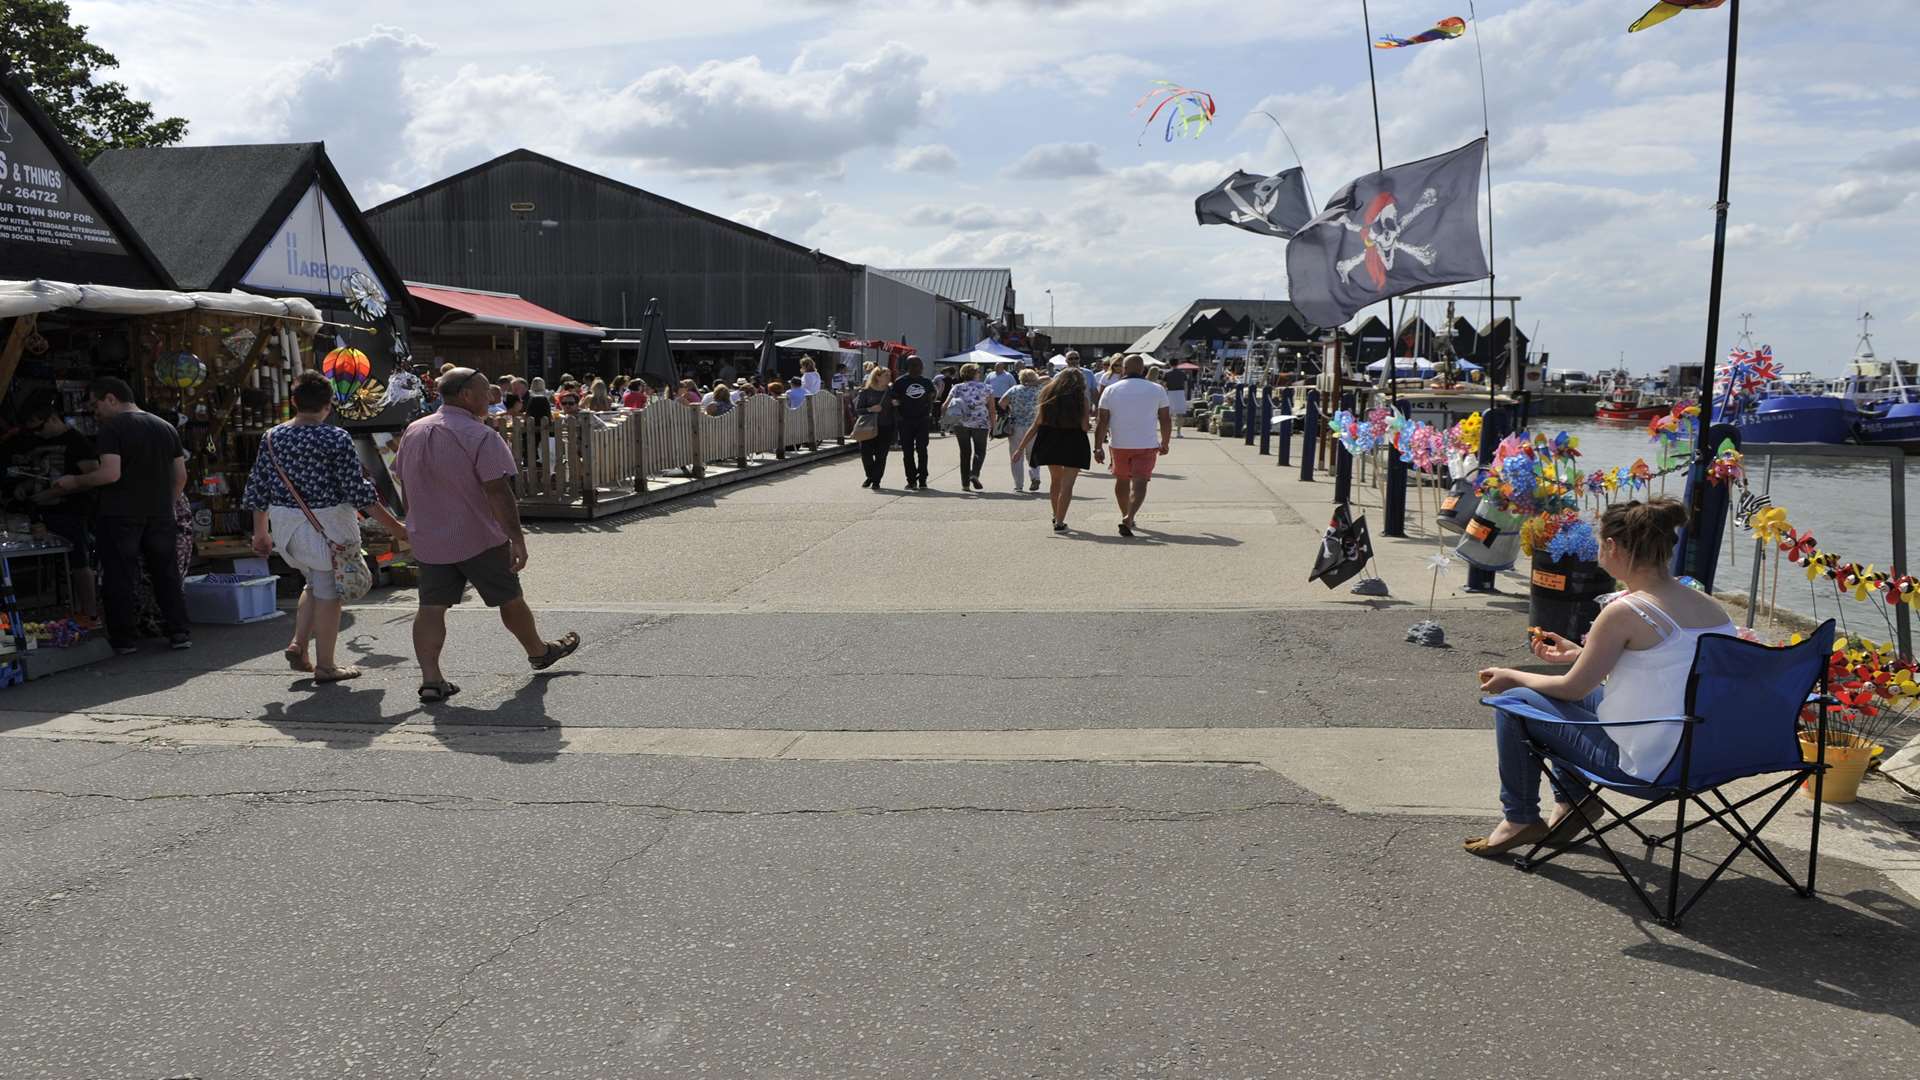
{"x":857,"y":784}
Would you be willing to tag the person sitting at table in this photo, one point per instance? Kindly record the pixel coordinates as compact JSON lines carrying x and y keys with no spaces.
{"x":1641,"y":647}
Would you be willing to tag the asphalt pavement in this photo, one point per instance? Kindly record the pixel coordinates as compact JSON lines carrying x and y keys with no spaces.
{"x":209,"y":868}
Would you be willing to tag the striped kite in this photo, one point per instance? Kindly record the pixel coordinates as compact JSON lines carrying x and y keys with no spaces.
{"x":1667,"y":9}
{"x":1192,"y":109}
{"x":1446,"y":28}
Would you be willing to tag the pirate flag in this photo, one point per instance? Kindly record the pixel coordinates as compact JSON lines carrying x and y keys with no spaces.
{"x":1411,"y":227}
{"x":1344,"y":551}
{"x":1269,"y":205}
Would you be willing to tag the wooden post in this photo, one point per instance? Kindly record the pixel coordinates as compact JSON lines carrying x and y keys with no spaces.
{"x":699,"y":455}
{"x":637,"y":421}
{"x":780,"y":449}
{"x":741,"y":426}
{"x":813,"y":428}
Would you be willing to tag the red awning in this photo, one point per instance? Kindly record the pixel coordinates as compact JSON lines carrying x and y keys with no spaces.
{"x":500,"y":309}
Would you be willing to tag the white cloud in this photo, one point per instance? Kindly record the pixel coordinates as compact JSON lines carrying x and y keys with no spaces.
{"x":1057,"y":161}
{"x":736,"y":114}
{"x":793,"y":216}
{"x":971,"y":217}
{"x":927,"y":158}
{"x":355,"y":100}
{"x":1862,"y":198}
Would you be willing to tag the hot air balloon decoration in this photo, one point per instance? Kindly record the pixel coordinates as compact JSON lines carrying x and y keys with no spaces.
{"x":347,"y":369}
{"x":183,"y":371}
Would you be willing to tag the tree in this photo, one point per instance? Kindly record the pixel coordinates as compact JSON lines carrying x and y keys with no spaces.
{"x":43,"y":48}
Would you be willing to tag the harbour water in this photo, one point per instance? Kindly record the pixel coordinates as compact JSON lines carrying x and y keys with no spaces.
{"x":1844,"y":503}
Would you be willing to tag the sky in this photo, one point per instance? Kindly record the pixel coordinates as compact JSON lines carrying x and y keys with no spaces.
{"x":1001,"y":133}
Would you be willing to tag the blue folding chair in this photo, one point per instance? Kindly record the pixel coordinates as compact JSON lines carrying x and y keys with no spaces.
{"x":1743,"y":704}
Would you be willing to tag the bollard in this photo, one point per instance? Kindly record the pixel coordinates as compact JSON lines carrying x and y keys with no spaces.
{"x":1240,"y":407}
{"x":1246,"y":429}
{"x":1342,"y":474}
{"x":1266,"y":423}
{"x":1307,"y":423}
{"x":1395,"y":510}
{"x":1286,"y":401}
{"x":1285,"y":457}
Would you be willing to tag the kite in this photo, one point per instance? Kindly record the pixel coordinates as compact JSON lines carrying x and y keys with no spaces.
{"x":1192,"y":109}
{"x":1667,"y":9}
{"x":1442,"y":31}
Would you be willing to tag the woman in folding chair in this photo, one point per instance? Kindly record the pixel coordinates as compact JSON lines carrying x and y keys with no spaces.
{"x":1641,"y":647}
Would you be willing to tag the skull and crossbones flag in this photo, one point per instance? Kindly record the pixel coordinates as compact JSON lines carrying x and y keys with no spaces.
{"x":1269,"y":205}
{"x":1411,"y":227}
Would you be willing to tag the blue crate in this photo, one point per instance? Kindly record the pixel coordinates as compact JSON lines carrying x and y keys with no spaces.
{"x":230,"y":598}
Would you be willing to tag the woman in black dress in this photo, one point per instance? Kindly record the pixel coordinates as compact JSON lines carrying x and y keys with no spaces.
{"x":1058,"y":438}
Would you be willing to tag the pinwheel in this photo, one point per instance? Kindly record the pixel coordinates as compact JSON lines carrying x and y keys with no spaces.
{"x":1446,"y":29}
{"x":1641,"y":472}
{"x":1769,"y":524}
{"x":1798,"y":548}
{"x":1819,"y":565}
{"x":348,"y":370}
{"x":1465,"y":435}
{"x":182,"y":371}
{"x":1574,"y":539}
{"x":364,"y":297}
{"x":1728,"y":468}
{"x":1904,"y":589}
{"x":1192,"y":109}
{"x":1597,"y":482}
{"x":1667,"y":9}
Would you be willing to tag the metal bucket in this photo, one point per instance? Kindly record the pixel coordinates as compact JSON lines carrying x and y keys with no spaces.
{"x":1491,"y":538}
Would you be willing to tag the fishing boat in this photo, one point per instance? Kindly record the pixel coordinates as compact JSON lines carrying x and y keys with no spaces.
{"x":1751,"y":396}
{"x":1625,"y":403}
{"x":1889,"y":406}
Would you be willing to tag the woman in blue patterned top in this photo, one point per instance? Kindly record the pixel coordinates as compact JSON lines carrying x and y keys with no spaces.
{"x":319,"y":459}
{"x":971,"y":407}
{"x":1021,"y":403}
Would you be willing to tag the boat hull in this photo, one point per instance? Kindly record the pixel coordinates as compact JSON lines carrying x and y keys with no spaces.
{"x":1618,"y":415}
{"x":1797,"y":419}
{"x":1900,"y":426}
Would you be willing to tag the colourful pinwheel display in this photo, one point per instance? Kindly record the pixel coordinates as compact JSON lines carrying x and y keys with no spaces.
{"x":1444,"y":30}
{"x":348,"y":370}
{"x":1191,"y":114}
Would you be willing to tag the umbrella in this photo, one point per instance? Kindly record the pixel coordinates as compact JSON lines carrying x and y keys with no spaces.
{"x":769,"y":355}
{"x":985,"y":359}
{"x":815,"y":341}
{"x":656,"y":356}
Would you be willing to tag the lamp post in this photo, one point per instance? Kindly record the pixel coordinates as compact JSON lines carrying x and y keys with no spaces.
{"x":1051,"y":323}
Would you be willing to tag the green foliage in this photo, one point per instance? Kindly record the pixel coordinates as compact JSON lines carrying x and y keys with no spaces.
{"x":42,"y":47}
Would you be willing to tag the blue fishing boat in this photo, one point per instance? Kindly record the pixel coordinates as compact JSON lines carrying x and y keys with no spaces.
{"x":1752,"y":396}
{"x":1888,"y":404}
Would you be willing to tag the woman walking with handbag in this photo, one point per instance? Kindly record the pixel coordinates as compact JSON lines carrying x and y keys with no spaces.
{"x":1059,"y":439}
{"x":873,"y":409}
{"x":970,"y":408}
{"x":305,"y":492}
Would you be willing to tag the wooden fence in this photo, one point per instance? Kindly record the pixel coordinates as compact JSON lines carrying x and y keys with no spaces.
{"x":573,"y":466}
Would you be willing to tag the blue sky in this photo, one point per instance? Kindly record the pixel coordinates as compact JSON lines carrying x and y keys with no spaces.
{"x":999,"y":132}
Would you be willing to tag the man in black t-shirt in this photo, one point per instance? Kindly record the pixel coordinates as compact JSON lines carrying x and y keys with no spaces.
{"x":143,"y":469}
{"x":44,"y":450}
{"x":913,"y":398}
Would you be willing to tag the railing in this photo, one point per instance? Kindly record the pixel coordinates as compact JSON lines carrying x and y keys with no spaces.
{"x":570,"y":462}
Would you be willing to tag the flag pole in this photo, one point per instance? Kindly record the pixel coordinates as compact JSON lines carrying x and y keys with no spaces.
{"x":1699,"y":475}
{"x":1486,"y":132}
{"x":1380,"y":156}
{"x":1297,"y":160}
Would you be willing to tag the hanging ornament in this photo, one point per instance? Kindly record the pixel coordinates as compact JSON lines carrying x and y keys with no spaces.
{"x":347,"y":369}
{"x":364,"y":297}
{"x":181,"y":371}
{"x":239,"y":343}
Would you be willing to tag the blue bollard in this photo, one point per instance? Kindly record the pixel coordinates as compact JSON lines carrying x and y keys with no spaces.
{"x":1266,"y":423}
{"x":1342,"y":475}
{"x":1395,"y":511}
{"x":1246,"y":430}
{"x":1286,"y":442}
{"x":1308,"y":423}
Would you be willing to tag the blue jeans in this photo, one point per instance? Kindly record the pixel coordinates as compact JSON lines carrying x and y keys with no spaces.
{"x":1585,"y":746}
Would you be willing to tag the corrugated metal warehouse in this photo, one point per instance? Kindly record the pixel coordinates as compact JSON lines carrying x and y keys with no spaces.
{"x":595,"y":249}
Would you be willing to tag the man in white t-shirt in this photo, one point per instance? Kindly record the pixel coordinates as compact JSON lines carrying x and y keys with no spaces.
{"x":1137,"y":416}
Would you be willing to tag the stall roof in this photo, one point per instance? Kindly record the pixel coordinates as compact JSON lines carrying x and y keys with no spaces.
{"x":212,"y":212}
{"x":500,"y":309}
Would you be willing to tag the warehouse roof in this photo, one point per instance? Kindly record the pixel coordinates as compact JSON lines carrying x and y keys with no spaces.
{"x":981,"y":288}
{"x":1090,"y":335}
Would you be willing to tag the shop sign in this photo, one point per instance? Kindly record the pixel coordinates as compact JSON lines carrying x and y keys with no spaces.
{"x":312,"y":253}
{"x":39,"y":202}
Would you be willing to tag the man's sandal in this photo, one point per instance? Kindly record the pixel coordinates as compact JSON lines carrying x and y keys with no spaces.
{"x":556,"y":651}
{"x":434,"y":693}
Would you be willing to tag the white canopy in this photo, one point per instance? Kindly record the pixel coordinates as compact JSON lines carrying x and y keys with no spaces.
{"x":986,"y":360}
{"x":815,"y":341}
{"x":39,"y":295}
{"x":1405,"y":363}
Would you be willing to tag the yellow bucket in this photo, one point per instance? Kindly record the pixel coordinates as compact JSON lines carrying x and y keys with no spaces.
{"x":1846,"y":765}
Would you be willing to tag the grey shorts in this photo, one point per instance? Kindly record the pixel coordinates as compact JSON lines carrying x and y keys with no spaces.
{"x":490,"y":573}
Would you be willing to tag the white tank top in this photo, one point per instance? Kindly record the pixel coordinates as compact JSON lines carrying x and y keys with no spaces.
{"x":1651,"y":682}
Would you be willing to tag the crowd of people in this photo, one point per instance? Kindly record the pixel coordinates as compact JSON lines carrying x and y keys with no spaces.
{"x":1063,"y":424}
{"x":598,"y":397}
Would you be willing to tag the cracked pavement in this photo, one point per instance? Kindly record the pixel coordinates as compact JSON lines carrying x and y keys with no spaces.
{"x":325,"y":906}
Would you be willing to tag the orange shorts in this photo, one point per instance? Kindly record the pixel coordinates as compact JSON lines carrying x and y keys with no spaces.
{"x":1134,"y":464}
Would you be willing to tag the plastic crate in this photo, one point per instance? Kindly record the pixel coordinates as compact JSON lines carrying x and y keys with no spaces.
{"x":231,"y":598}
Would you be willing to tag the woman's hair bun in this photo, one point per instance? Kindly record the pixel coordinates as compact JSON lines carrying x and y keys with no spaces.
{"x":1645,"y":530}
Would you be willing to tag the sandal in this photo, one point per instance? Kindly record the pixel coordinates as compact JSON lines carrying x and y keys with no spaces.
{"x":556,"y":651}
{"x":1526,"y":837}
{"x":297,"y":659}
{"x":335,"y":674}
{"x":434,"y":693}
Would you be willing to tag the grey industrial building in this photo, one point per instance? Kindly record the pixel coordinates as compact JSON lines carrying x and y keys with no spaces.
{"x":599,"y":250}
